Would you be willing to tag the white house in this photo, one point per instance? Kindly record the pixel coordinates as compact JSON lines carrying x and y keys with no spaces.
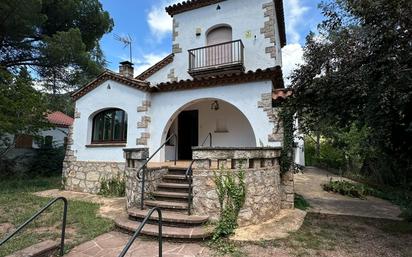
{"x":220,"y":81}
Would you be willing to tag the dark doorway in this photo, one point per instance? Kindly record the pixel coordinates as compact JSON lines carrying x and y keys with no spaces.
{"x":188,"y":133}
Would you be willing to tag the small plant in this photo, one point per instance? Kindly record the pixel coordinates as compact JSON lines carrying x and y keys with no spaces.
{"x":301,"y":203}
{"x":224,"y":247}
{"x":114,"y":187}
{"x":347,"y":188}
{"x":231,"y":192}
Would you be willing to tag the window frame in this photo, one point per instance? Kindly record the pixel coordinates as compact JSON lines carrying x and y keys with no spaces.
{"x":111,"y":140}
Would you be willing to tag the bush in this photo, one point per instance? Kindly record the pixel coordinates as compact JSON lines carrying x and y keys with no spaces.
{"x":301,"y":203}
{"x":330,"y":156}
{"x":114,"y":187}
{"x":48,"y":161}
{"x":349,"y":189}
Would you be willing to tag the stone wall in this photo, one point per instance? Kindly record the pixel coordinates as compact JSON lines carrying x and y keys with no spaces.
{"x":86,"y":176}
{"x":263,"y":195}
{"x":267,"y":190}
{"x":135,"y":158}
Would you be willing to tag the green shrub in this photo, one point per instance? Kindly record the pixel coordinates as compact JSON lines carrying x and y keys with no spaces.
{"x":114,"y":187}
{"x":231,"y":192}
{"x":48,"y":161}
{"x":347,"y":188}
{"x":301,"y":203}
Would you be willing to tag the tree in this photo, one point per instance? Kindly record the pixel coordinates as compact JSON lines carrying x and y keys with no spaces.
{"x":59,"y":39}
{"x":22,"y":109}
{"x":358,"y":72}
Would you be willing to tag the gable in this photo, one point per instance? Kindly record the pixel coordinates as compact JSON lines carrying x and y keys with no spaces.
{"x":108,"y":75}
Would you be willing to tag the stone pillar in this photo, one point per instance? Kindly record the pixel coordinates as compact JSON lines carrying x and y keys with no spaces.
{"x":135,"y":158}
{"x":288,"y":194}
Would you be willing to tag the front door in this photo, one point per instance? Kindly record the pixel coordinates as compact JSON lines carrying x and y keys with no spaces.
{"x":188,"y":132}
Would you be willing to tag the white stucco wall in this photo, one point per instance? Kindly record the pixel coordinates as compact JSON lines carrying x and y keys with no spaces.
{"x":167,"y":105}
{"x":118,"y":96}
{"x":57,"y":133}
{"x":244,"y":16}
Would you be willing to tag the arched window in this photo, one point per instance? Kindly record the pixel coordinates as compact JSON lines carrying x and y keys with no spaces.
{"x":218,"y":35}
{"x":109,"y":126}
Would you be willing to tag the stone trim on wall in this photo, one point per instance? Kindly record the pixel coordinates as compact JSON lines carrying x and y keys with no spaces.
{"x":288,"y":190}
{"x":176,"y":49}
{"x":143,"y":139}
{"x":175,"y":33}
{"x":144,"y":122}
{"x":146,"y":104}
{"x":268,"y":30}
{"x":273,"y":115}
{"x":171,"y":76}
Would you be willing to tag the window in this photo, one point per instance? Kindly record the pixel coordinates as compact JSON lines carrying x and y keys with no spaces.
{"x":48,"y":141}
{"x":109,"y":126}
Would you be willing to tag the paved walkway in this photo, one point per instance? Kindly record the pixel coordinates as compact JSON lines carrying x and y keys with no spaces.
{"x":109,"y":207}
{"x":111,"y":244}
{"x":309,"y":185}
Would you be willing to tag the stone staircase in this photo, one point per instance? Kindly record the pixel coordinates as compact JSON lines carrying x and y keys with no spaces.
{"x":172,"y":196}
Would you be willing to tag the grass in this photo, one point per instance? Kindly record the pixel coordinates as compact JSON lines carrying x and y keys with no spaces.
{"x":301,"y":203}
{"x":18,"y":204}
{"x":334,"y":235}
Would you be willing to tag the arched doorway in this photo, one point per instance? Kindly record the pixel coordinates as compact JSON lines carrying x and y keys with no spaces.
{"x":195,"y":120}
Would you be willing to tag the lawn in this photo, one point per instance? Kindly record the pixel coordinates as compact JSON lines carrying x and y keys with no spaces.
{"x":337,"y":236}
{"x":17,"y":204}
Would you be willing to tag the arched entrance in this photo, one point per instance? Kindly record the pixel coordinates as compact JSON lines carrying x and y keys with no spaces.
{"x":195,"y":120}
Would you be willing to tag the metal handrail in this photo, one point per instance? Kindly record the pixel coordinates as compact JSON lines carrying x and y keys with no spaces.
{"x":144,"y":166}
{"x":217,"y":55}
{"x":36,"y":215}
{"x":139,"y":229}
{"x":189,"y":172}
{"x":224,"y":43}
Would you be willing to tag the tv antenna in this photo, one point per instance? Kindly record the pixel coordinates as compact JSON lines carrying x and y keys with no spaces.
{"x":127,"y":42}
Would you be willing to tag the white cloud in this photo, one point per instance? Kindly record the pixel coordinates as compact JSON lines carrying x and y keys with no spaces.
{"x":160,"y":23}
{"x":294,"y":12}
{"x":147,"y":61}
{"x":292,"y":56}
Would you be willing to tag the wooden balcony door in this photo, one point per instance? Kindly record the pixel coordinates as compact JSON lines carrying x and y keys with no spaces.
{"x":218,"y":53}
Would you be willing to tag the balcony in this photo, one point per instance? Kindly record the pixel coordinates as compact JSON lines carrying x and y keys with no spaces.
{"x":217,"y":59}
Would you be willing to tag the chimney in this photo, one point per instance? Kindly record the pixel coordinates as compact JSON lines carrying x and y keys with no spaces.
{"x":126,"y":69}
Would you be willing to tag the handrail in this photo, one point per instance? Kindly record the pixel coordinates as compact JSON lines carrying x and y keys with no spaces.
{"x":139,"y":229}
{"x":224,"y":43}
{"x":189,"y":172}
{"x":36,"y":215}
{"x":144,"y":166}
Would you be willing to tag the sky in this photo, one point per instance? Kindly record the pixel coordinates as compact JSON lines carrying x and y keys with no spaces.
{"x":150,"y":28}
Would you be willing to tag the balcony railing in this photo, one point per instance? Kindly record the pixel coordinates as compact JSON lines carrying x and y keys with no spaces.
{"x":221,"y":58}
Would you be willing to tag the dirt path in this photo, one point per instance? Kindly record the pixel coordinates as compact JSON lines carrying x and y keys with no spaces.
{"x":309,"y":185}
{"x":110,"y":207}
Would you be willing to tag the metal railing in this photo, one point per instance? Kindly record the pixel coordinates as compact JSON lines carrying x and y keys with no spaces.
{"x":189,"y":176}
{"x":224,"y":54}
{"x":36,"y":215}
{"x":143,"y":169}
{"x":139,"y":229}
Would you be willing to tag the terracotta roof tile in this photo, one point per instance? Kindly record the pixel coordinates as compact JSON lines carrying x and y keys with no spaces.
{"x":110,"y":75}
{"x":274,"y":74}
{"x":60,"y":119}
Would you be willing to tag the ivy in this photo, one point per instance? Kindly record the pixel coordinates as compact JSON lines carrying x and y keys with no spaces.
{"x":231,"y":192}
{"x":286,"y":156}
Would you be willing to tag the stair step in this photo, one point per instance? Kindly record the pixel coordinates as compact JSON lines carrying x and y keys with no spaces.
{"x":171,"y":217}
{"x":173,"y":185}
{"x":167,"y":194}
{"x":174,"y":177}
{"x":167,"y":204}
{"x":42,"y":249}
{"x":177,"y":171}
{"x":167,"y":232}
